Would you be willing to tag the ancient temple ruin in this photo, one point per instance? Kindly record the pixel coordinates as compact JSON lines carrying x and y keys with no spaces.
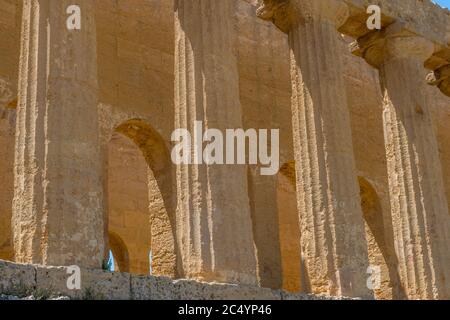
{"x":86,"y":118}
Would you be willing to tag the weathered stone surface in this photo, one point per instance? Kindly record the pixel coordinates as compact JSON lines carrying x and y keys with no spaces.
{"x":152,"y":288}
{"x":216,"y":242}
{"x":332,"y":227}
{"x":51,"y":283}
{"x":53,"y":279}
{"x":58,"y":196}
{"x":235,"y":75}
{"x":421,"y":220}
{"x":231,"y":292}
{"x":106,"y":285}
{"x":16,"y":278}
{"x":95,"y":284}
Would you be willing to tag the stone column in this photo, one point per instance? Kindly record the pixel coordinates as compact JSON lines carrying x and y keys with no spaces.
{"x":58,"y":202}
{"x":419,"y":206}
{"x":214,"y":227}
{"x":332,"y":227}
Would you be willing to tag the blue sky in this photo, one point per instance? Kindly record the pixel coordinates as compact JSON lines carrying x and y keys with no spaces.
{"x":443,"y":3}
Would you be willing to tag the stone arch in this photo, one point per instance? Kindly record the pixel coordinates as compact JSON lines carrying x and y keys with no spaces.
{"x":128,"y":212}
{"x":289,"y":226}
{"x":380,"y":252}
{"x":120,"y":252}
{"x":158,"y":201}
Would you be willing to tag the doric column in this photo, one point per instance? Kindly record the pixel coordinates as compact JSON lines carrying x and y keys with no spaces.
{"x":332,"y":227}
{"x":214,"y":227}
{"x":420,"y":214}
{"x":58,"y":203}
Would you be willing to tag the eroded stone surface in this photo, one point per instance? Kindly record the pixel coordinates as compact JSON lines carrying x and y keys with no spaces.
{"x":50,"y":283}
{"x":135,"y":43}
{"x":16,"y":278}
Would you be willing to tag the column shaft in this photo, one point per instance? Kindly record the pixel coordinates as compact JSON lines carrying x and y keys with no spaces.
{"x":213,"y":220}
{"x":419,"y":206}
{"x":58,"y":203}
{"x":332,"y":227}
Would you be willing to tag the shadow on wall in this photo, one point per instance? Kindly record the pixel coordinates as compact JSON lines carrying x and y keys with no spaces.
{"x":7,"y":142}
{"x":289,"y":226}
{"x":264,"y":213}
{"x":381,"y":253}
{"x":119,"y":251}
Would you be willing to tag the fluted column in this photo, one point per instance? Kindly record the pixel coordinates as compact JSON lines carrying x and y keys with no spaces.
{"x":213,"y":220}
{"x":57,"y":210}
{"x":332,"y":227}
{"x":420,"y":214}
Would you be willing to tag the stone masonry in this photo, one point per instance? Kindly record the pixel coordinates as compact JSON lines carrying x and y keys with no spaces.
{"x":359,"y":207}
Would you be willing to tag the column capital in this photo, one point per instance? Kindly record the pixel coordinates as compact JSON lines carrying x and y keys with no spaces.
{"x":393,"y":42}
{"x":280,"y":12}
{"x":441,"y":79}
{"x":285,"y":14}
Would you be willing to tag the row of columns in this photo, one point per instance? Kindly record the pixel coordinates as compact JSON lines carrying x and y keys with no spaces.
{"x":419,"y":206}
{"x":58,"y":214}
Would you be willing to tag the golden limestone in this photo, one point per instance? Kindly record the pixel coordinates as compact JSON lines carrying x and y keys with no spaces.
{"x":300,"y":145}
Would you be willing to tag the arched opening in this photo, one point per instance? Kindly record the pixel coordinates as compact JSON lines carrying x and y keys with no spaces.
{"x":289,"y":226}
{"x":111,"y":264}
{"x":128,"y":203}
{"x":140,"y":201}
{"x":118,"y":259}
{"x":382,"y":269}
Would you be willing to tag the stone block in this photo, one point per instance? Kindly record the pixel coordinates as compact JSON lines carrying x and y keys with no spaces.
{"x":17,"y":279}
{"x":98,"y":284}
{"x":152,"y":288}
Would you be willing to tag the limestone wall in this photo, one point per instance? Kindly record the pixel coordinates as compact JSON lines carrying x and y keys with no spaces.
{"x":7,"y":121}
{"x":135,"y":60}
{"x":17,"y":279}
{"x":136,"y":77}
